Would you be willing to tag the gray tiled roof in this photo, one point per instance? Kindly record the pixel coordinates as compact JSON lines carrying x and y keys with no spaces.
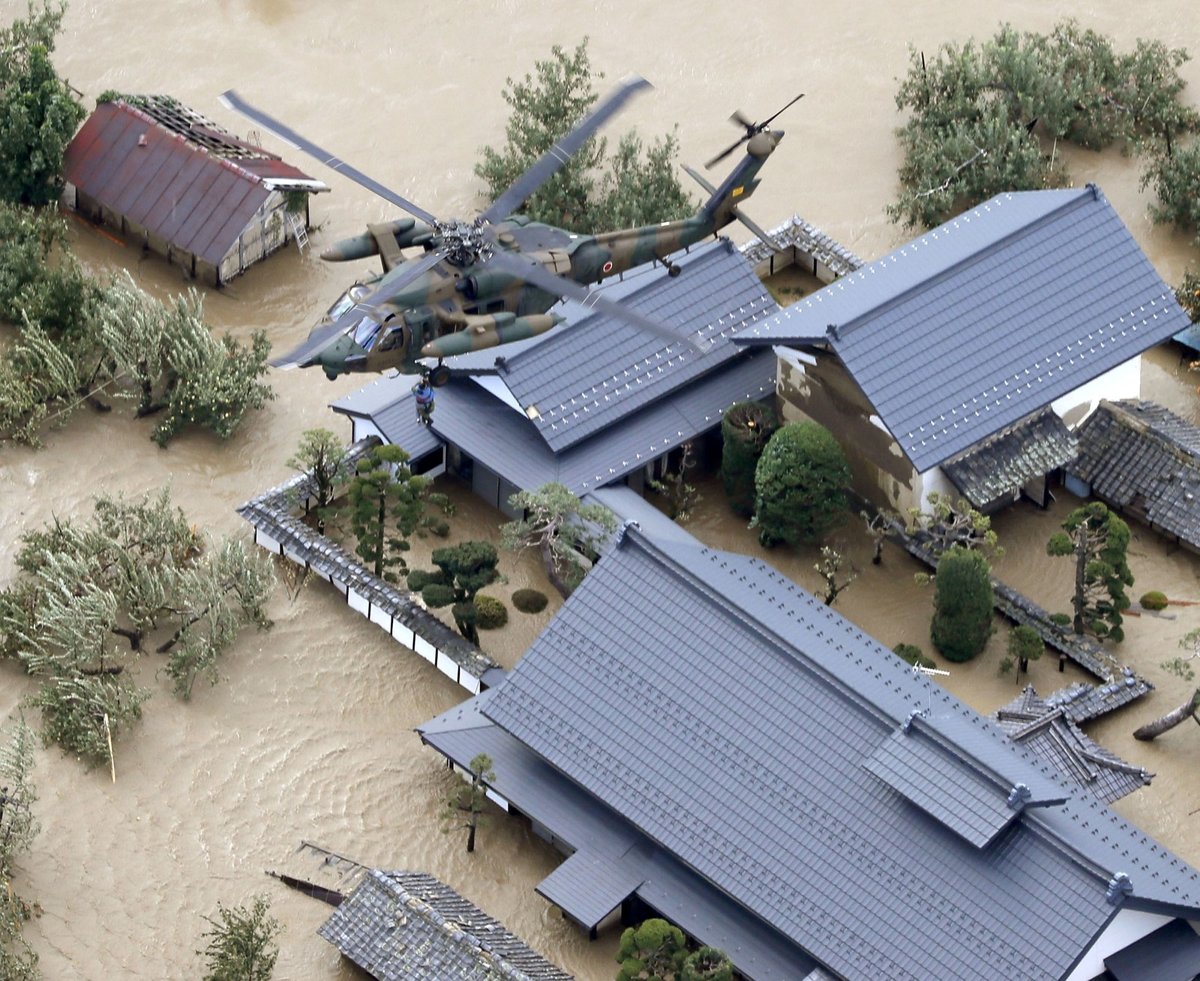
{"x":408,"y":926}
{"x":1143,"y":458}
{"x":504,"y":440}
{"x":987,"y":318}
{"x":1049,"y":731}
{"x":1004,"y":462}
{"x":730,"y":717}
{"x":598,"y":372}
{"x":388,"y":403}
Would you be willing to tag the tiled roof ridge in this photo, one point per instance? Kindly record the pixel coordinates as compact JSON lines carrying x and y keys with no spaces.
{"x":1083,"y":195}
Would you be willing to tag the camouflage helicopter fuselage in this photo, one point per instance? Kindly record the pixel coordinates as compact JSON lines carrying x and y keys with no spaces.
{"x":467,"y":304}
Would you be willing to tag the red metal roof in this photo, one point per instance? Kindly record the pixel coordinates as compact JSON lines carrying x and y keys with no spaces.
{"x":174,"y":172}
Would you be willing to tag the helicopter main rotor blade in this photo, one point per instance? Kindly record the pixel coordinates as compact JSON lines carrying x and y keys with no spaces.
{"x":231,"y":100}
{"x":539,"y":276}
{"x":770,"y":119}
{"x":325,"y":335}
{"x":553,"y":159}
{"x":726,"y":152}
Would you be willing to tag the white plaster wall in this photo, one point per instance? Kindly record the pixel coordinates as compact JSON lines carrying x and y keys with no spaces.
{"x":1128,"y":926}
{"x":934,"y":481}
{"x":1122,"y":382}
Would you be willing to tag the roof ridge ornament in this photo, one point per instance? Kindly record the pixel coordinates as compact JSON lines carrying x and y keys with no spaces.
{"x":1119,"y":887}
{"x":1019,"y":796}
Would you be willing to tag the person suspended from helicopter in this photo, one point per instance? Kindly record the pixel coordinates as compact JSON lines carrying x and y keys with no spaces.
{"x":424,"y":394}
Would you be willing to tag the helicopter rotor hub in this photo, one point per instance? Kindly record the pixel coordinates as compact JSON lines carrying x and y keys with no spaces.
{"x":464,"y":242}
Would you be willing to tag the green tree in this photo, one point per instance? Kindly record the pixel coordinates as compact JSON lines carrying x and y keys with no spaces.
{"x":745,"y":429}
{"x":322,"y":458}
{"x":975,"y":112}
{"x":1098,"y":540}
{"x":829,"y":569}
{"x":680,"y":496}
{"x":1025,"y":644}
{"x":593,"y":192}
{"x":387,"y":504}
{"x":40,"y":280}
{"x":91,"y":597}
{"x":1174,"y":175}
{"x":1188,"y":295}
{"x":38,"y":112}
{"x":1190,"y":709}
{"x":706,"y":964}
{"x":18,"y":828}
{"x":465,"y":804}
{"x":800,"y":485}
{"x":241,"y":943}
{"x":462,"y":571}
{"x":562,"y":528}
{"x":950,"y":521}
{"x":962,"y":604}
{"x":652,"y":951}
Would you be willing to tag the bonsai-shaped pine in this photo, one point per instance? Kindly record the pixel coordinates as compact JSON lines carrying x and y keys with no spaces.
{"x":387,"y":504}
{"x":652,"y":951}
{"x":562,"y":528}
{"x":241,"y":943}
{"x":322,"y":458}
{"x":962,"y":604}
{"x":462,"y":571}
{"x":634,"y":190}
{"x":1190,"y":709}
{"x":953,"y":522}
{"x":464,"y":806}
{"x":745,"y":429}
{"x":706,"y":964}
{"x":800,"y":485}
{"x":39,"y":113}
{"x":1024,"y":645}
{"x":1098,"y":540}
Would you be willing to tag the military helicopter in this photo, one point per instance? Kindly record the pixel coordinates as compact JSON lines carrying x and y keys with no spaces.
{"x":492,"y":280}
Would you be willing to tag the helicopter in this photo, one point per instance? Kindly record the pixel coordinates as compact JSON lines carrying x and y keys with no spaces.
{"x":492,"y":280}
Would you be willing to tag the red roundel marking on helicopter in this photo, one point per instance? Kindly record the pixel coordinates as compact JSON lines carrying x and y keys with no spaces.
{"x":608,"y":267}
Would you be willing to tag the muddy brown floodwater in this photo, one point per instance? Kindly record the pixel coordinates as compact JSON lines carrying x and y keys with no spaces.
{"x":309,"y":735}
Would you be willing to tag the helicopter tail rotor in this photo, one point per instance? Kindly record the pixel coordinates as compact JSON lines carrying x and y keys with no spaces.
{"x":738,"y":118}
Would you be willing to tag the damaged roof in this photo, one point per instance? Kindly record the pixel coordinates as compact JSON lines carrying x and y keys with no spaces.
{"x":987,"y":318}
{"x":176,"y":173}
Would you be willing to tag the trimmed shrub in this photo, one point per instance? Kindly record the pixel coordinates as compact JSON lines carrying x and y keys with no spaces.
{"x":530,"y":600}
{"x":800,"y":485}
{"x":418,"y":579}
{"x":962,"y":617}
{"x":1024,"y":645}
{"x":490,"y":613}
{"x":1153,"y":600}
{"x":1060,"y":619}
{"x":437,"y":594}
{"x":745,"y":429}
{"x":912,"y":654}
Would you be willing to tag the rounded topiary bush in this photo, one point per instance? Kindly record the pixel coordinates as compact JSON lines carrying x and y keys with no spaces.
{"x":800,"y":485}
{"x":490,"y":613}
{"x":962,"y":604}
{"x":912,"y":654}
{"x":1060,"y":619}
{"x":530,"y":600}
{"x":1153,"y":600}
{"x":418,"y":579}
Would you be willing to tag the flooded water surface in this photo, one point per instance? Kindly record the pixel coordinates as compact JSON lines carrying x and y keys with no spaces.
{"x":309,"y":734}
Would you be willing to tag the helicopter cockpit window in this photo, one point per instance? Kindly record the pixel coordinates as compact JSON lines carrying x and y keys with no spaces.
{"x":365,"y":333}
{"x":347,"y":300}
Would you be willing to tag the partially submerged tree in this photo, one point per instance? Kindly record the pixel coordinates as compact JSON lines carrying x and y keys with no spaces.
{"x":1190,"y":709}
{"x":952,"y":521}
{"x":706,"y":964}
{"x":562,"y":528}
{"x":241,"y":944}
{"x":1025,"y":644}
{"x":18,"y":827}
{"x":680,"y":495}
{"x":593,"y":192}
{"x":38,"y":111}
{"x":462,"y":571}
{"x":93,"y":596}
{"x":962,"y":604}
{"x":464,"y":806}
{"x":829,"y":569}
{"x":745,"y":429}
{"x":652,"y":949}
{"x":1098,"y":540}
{"x":1174,"y":174}
{"x":975,"y":112}
{"x":322,"y":458}
{"x":800,"y":485}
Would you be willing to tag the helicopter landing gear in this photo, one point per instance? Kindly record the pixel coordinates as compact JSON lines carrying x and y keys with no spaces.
{"x":673,"y":270}
{"x":438,"y":376}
